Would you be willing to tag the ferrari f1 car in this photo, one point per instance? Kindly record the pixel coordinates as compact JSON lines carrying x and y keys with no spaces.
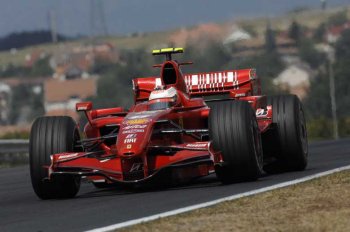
{"x":172,"y":133}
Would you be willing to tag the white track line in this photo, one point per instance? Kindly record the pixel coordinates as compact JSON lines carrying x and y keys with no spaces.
{"x":214,"y":202}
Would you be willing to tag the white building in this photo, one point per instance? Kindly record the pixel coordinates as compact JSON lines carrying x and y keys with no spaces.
{"x":295,"y":79}
{"x":237,"y":35}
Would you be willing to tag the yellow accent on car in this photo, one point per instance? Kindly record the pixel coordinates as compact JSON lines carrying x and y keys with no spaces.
{"x":157,"y":51}
{"x":167,"y":50}
{"x":180,"y":50}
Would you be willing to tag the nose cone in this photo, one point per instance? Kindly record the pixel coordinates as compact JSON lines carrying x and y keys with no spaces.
{"x":135,"y":132}
{"x":132,"y":137}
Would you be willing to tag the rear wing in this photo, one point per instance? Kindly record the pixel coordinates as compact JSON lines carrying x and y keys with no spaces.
{"x":236,"y":83}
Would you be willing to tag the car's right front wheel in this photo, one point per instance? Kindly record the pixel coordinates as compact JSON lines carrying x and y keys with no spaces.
{"x":52,"y":135}
{"x":233,"y":130}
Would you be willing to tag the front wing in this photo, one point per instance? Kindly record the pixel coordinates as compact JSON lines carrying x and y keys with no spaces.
{"x":135,"y":169}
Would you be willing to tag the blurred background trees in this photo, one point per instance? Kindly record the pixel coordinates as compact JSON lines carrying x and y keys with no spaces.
{"x":269,"y":48}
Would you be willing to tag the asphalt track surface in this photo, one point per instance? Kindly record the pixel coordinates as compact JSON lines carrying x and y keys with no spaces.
{"x":21,"y":210}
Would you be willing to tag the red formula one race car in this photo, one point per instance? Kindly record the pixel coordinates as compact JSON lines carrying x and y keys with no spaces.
{"x":172,"y":133}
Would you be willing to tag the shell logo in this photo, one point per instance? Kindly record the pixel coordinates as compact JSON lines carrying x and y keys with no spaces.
{"x":137,"y":121}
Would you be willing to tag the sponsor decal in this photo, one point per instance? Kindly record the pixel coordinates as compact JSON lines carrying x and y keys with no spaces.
{"x":135,"y":127}
{"x":240,"y":95}
{"x":137,"y":121}
{"x":261,"y":112}
{"x":68,"y":156}
{"x":136,"y":167}
{"x":133,"y":131}
{"x":130,"y":138}
{"x":197,"y":145}
{"x":252,"y":74}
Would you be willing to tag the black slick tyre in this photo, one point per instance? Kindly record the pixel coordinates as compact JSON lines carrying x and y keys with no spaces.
{"x":291,"y":133}
{"x":234,"y":131}
{"x":51,"y":135}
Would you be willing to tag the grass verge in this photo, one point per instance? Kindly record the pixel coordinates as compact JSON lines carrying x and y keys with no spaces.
{"x":319,"y":205}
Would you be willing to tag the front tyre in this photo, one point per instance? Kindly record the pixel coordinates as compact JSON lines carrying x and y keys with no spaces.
{"x":234,"y":131}
{"x":52,"y":135}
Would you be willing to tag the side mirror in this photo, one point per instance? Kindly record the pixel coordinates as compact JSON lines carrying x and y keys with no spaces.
{"x":83,"y":106}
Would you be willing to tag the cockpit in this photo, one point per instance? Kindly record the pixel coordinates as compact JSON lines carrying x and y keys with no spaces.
{"x":161,"y":99}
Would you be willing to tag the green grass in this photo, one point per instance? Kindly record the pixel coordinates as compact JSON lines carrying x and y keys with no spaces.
{"x":318,"y":205}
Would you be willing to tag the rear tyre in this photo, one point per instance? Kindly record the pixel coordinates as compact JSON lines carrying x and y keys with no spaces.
{"x":291,"y":134}
{"x":51,"y":135}
{"x":234,"y":131}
